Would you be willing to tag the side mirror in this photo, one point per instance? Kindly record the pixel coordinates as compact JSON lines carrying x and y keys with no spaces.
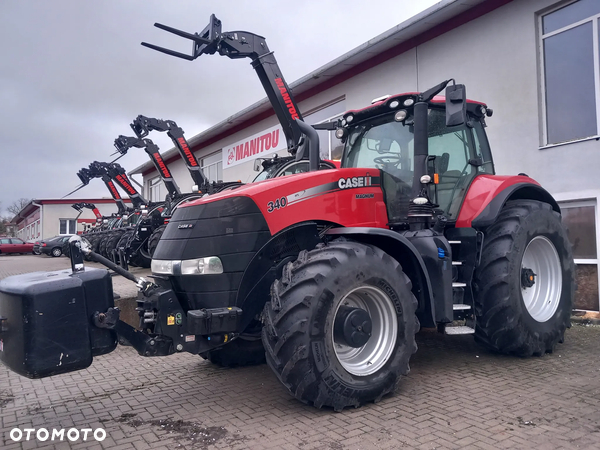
{"x":456,"y":105}
{"x":258,"y":164}
{"x":442,"y":164}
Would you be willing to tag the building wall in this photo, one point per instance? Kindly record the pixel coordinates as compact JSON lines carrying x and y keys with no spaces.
{"x":47,"y":224}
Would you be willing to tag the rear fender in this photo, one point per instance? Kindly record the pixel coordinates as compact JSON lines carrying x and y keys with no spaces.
{"x":488,"y":194}
{"x":401,"y":249}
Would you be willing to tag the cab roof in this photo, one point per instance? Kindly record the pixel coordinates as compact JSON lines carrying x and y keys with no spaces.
{"x":397,"y":102}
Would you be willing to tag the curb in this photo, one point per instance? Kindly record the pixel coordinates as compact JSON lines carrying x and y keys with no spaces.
{"x":585,"y":321}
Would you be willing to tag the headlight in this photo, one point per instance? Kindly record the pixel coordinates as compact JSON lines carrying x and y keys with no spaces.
{"x":162,"y":267}
{"x":200,"y":266}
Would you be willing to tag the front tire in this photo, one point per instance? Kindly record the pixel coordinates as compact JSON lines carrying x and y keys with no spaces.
{"x":56,"y":252}
{"x":308,"y":349}
{"x":524,"y":286}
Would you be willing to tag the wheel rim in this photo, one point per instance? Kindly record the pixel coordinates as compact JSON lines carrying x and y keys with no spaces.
{"x":369,"y":358}
{"x":56,"y":252}
{"x":542,"y":298}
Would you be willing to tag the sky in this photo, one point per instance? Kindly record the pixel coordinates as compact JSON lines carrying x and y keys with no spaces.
{"x":73,"y":75}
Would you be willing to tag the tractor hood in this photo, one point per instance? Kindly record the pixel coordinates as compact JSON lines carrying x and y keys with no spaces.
{"x":347,"y":197}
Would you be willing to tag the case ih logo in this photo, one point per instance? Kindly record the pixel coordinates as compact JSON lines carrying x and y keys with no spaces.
{"x":161,"y":164}
{"x":188,"y":153}
{"x":354,"y":182}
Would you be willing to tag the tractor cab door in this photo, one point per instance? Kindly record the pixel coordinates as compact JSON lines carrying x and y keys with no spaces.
{"x":457,"y":154}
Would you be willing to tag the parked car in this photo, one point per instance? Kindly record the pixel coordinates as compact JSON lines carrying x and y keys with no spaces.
{"x":54,"y":246}
{"x":15,"y":245}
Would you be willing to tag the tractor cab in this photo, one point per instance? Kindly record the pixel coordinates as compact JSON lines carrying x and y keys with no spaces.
{"x":382,"y":137}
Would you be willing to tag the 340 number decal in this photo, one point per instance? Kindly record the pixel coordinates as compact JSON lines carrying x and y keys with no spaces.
{"x":279,"y":203}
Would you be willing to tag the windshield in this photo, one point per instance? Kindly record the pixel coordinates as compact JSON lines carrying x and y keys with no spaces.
{"x":266,"y":173}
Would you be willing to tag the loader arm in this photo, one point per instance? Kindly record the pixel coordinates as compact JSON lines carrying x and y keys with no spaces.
{"x":242,"y":44}
{"x":118,"y":175}
{"x":124,"y":143}
{"x":86,"y":174}
{"x":94,"y":209}
{"x":142,"y":126}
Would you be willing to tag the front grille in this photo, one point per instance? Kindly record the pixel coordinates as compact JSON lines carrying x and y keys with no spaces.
{"x":233,"y":229}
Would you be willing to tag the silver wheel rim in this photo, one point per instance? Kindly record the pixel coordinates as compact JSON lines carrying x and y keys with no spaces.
{"x":542,"y":299}
{"x":372,"y":356}
{"x":56,"y":252}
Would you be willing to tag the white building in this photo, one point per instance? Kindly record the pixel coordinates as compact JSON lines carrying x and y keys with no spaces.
{"x":536,"y":63}
{"x":45,"y":218}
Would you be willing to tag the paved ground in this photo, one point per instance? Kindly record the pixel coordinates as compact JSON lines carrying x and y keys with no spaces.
{"x":457,"y":395}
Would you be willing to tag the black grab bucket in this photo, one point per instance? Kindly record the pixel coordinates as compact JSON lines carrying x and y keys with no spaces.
{"x":47,"y":321}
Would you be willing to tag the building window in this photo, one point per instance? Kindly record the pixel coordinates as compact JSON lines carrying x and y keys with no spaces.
{"x":212,"y":166}
{"x":156,"y":191}
{"x":571,"y":68}
{"x":580,"y":219}
{"x":331,"y":147}
{"x":68,"y":226}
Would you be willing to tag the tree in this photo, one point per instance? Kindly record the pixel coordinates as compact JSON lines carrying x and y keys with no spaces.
{"x":16,"y":206}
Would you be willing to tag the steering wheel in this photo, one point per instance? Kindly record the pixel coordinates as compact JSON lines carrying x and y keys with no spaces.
{"x":390,"y":159}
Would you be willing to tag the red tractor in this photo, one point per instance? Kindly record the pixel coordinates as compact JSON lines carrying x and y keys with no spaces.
{"x":330,"y":273}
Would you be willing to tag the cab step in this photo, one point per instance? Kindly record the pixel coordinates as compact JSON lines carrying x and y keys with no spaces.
{"x":457,"y":263}
{"x":461,"y":329}
{"x":457,"y":284}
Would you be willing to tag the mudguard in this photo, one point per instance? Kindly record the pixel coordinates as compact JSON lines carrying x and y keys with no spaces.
{"x":400,"y":248}
{"x":266,"y":266}
{"x":488,"y":194}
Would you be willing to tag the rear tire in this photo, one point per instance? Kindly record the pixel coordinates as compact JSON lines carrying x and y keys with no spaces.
{"x":524,"y":286}
{"x":141,"y":259}
{"x":154,"y":238}
{"x":112,"y":243}
{"x":56,"y":252}
{"x":102,"y":244}
{"x":298,"y":331}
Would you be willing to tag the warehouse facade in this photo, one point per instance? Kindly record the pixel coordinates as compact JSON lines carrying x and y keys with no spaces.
{"x":536,"y":63}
